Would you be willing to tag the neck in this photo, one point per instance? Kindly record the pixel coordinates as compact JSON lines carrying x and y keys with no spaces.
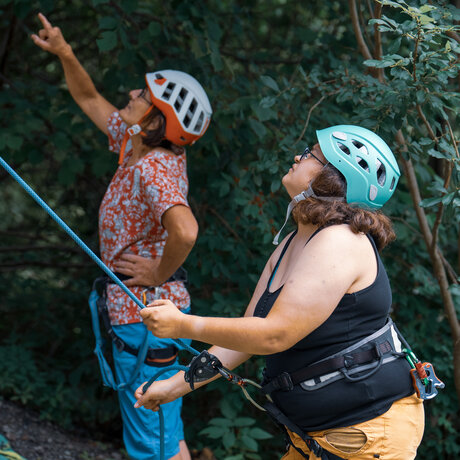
{"x":139,"y":148}
{"x":305,"y":231}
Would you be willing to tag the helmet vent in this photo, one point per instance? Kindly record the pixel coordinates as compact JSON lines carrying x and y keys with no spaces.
{"x":344,"y":148}
{"x":199,"y":123}
{"x":180,"y":99}
{"x":358,"y":144}
{"x":381,"y":173}
{"x":392,"y":186}
{"x":168,"y":91}
{"x":158,"y":76}
{"x":362,"y":163}
{"x":189,"y":115}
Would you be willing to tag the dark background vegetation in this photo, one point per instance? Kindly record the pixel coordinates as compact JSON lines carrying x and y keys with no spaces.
{"x":275,"y":70}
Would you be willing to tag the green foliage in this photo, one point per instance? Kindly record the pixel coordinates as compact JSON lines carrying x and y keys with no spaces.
{"x":275,"y":70}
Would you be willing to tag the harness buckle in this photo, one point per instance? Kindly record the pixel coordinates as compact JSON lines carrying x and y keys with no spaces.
{"x":348,"y":361}
{"x":285,"y":382}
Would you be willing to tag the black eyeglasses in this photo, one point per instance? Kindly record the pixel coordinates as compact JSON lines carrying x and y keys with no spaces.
{"x":307,"y":152}
{"x":142,"y":94}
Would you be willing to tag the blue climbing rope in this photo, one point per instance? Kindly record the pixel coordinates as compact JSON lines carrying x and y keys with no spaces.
{"x":113,"y":277}
{"x":83,"y":246}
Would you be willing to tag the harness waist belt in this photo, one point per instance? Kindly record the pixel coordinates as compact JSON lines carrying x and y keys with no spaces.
{"x":380,"y":348}
{"x":157,"y":357}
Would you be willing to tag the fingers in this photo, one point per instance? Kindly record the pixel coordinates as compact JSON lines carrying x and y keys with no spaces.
{"x":159,"y":303}
{"x":43,"y":34}
{"x":132,"y":282}
{"x":43,"y":44}
{"x":133,"y":258}
{"x":46,"y":24}
{"x":126,"y":268}
{"x":143,"y":400}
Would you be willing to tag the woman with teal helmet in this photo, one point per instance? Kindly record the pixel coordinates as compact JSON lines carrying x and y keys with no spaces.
{"x":335,"y":369}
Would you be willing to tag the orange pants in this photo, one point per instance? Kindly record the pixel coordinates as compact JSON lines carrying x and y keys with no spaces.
{"x":394,"y":435}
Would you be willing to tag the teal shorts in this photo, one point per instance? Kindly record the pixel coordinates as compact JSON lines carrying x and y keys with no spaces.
{"x":141,"y":428}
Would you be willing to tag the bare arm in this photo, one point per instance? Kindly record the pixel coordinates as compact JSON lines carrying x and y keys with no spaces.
{"x":163,"y":391}
{"x":182,"y":229}
{"x":319,"y":278}
{"x":80,"y":85}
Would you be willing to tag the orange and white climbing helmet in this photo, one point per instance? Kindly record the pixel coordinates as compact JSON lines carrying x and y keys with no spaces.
{"x":183,"y":102}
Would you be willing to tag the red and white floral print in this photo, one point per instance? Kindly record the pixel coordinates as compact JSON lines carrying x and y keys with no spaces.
{"x":130,"y":217}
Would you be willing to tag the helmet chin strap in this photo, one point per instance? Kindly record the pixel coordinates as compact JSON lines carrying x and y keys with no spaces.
{"x":132,"y":131}
{"x":297,"y":199}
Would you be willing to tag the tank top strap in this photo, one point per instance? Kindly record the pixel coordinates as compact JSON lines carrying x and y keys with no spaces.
{"x":314,"y":233}
{"x":288,"y":242}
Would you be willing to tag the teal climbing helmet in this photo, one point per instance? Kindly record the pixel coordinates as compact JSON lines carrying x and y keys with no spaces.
{"x":365,"y":160}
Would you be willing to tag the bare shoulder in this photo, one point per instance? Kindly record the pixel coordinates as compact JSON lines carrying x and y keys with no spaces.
{"x":338,"y":239}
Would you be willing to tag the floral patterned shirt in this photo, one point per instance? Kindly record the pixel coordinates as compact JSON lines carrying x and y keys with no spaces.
{"x":130,"y":218}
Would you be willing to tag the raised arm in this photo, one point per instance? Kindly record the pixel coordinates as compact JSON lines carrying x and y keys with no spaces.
{"x":80,"y":85}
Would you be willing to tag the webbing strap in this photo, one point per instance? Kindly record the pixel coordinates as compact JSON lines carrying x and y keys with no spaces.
{"x":284,"y":422}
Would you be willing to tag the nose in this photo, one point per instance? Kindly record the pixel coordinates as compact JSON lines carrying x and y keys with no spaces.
{"x":134,"y":93}
{"x":297,"y":158}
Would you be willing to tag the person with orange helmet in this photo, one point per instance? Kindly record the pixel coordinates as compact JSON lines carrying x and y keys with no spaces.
{"x":146,"y":226}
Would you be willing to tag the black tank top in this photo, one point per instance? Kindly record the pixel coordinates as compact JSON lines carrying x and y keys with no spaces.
{"x":341,"y":403}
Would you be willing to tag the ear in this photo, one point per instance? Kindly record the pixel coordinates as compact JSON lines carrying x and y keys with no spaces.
{"x":155,"y":123}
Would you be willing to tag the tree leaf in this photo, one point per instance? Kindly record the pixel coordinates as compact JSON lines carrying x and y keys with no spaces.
{"x":108,"y":41}
{"x":244,"y":421}
{"x":258,"y":433}
{"x":229,"y":439}
{"x":268,"y":81}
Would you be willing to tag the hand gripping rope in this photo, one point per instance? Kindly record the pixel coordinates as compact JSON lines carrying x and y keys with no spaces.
{"x":202,"y":367}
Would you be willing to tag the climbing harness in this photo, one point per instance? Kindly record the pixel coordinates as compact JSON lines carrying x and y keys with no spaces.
{"x":355,"y":363}
{"x":158,"y":357}
{"x":366,"y":356}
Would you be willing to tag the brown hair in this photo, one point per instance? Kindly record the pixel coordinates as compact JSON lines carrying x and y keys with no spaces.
{"x":155,"y":137}
{"x":331,"y":182}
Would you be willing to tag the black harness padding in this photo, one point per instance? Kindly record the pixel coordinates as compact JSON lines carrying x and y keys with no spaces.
{"x":283,"y":422}
{"x":286,"y":380}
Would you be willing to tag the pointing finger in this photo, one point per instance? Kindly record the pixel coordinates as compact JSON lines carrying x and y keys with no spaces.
{"x":46,"y":24}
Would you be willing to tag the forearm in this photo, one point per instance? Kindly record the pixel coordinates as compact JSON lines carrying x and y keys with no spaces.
{"x":229,"y":359}
{"x":78,"y":81}
{"x":251,"y":335}
{"x":175,"y":253}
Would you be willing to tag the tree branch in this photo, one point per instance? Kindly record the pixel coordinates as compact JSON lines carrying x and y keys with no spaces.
{"x":426,"y":123}
{"x":357,"y":29}
{"x":435,"y":253}
{"x":313,"y":107}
